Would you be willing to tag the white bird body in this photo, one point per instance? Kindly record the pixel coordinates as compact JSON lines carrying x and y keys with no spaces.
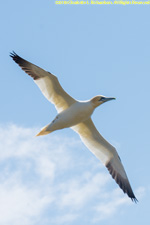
{"x":78,"y":112}
{"x":77,"y":115}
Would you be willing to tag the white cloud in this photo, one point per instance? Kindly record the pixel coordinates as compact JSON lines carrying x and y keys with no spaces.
{"x":48,"y":181}
{"x":20,"y":205}
{"x":87,"y":185}
{"x":110,"y":206}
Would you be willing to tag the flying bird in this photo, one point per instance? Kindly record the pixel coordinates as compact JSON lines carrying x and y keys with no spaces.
{"x":77,"y":115}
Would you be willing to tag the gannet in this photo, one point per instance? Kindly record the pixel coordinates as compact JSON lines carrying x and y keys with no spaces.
{"x":77,"y":115}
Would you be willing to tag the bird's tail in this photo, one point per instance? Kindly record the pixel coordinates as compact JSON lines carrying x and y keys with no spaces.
{"x":44,"y":131}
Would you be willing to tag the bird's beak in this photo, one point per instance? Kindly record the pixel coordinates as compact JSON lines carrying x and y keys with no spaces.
{"x":107,"y":99}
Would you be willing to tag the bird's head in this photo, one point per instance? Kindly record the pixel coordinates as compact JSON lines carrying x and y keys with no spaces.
{"x":100,"y":99}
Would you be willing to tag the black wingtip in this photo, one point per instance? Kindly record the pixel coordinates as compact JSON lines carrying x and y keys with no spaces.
{"x":134,"y":200}
{"x":25,"y":65}
{"x":12,"y":54}
{"x":15,"y":57}
{"x":132,"y":196}
{"x":122,"y":182}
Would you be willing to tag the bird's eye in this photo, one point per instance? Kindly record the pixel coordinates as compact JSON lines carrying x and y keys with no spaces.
{"x":102,"y":98}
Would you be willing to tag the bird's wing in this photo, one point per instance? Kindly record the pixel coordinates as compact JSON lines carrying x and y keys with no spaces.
{"x":47,"y":82}
{"x":106,"y":153}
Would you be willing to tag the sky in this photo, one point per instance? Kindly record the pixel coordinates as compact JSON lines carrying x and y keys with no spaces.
{"x":93,"y":50}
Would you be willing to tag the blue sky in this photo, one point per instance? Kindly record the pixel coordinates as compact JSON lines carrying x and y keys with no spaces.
{"x":92,"y":50}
